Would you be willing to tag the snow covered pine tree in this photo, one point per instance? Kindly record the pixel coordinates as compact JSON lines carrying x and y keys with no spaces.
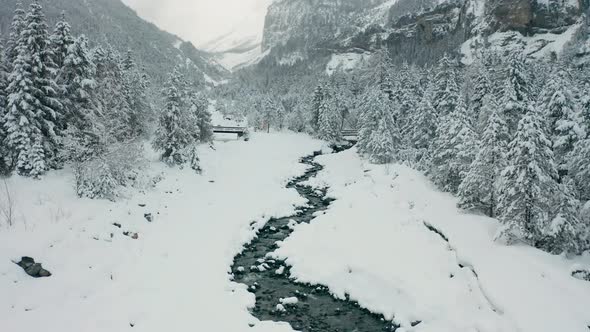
{"x":33,"y":109}
{"x":479,"y":189}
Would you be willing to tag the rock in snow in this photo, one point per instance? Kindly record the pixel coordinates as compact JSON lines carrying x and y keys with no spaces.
{"x":289,"y":301}
{"x":33,"y":269}
{"x":582,"y":274}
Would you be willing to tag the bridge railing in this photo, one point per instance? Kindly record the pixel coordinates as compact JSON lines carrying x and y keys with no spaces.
{"x":242,"y":132}
{"x":349,"y":132}
{"x":229,"y":129}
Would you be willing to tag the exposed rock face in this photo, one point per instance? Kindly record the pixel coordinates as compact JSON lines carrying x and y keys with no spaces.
{"x":531,"y":15}
{"x":414,"y":30}
{"x":428,"y":35}
{"x":408,"y":7}
{"x":510,"y":14}
{"x":557,"y":13}
{"x":303,"y":29}
{"x":302,"y":23}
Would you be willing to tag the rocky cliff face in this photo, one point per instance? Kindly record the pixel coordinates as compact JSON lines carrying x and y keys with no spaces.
{"x":307,"y":23}
{"x":430,"y":33}
{"x":414,"y":30}
{"x":531,"y":16}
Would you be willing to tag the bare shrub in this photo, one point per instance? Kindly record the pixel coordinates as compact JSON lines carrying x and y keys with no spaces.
{"x":7,"y":205}
{"x":103,"y":176}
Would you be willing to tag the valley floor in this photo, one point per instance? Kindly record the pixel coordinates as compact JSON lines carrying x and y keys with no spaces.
{"x":390,"y":241}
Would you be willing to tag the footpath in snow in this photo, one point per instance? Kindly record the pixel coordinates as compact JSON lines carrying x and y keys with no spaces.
{"x":401,"y":248}
{"x":174,"y":277}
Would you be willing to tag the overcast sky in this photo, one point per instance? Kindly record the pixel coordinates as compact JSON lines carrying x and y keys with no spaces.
{"x":202,"y":20}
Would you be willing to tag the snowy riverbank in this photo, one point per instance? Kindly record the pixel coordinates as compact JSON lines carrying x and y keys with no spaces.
{"x":373,"y":245}
{"x":175,"y":275}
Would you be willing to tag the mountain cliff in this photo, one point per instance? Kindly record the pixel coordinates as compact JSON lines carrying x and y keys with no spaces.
{"x":111,"y":21}
{"x":417,"y":30}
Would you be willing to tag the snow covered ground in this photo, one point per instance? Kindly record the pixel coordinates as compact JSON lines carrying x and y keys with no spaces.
{"x":374,"y":245}
{"x":539,"y":46}
{"x":174,"y":277}
{"x":378,"y":243}
{"x":345,"y":62}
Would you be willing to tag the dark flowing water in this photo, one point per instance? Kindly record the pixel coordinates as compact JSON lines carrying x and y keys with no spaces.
{"x":270,"y":280}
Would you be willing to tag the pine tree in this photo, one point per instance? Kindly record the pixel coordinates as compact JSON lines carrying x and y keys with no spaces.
{"x":135,"y":85}
{"x":61,"y":40}
{"x":111,"y":98}
{"x":423,"y":122}
{"x":528,"y":184}
{"x":5,"y":163}
{"x":446,"y":91}
{"x":269,"y":112}
{"x":296,"y":120}
{"x":479,"y":189}
{"x":318,"y":97}
{"x":482,"y":87}
{"x":172,"y":136}
{"x":379,"y":135}
{"x":565,"y":232}
{"x":128,"y":61}
{"x":18,"y":25}
{"x":342,"y":97}
{"x":454,"y":149}
{"x":549,"y":87}
{"x":280,"y":114}
{"x":38,"y":47}
{"x":329,"y":120}
{"x":21,"y":121}
{"x":517,"y":91}
{"x":564,"y":120}
{"x":410,"y":94}
{"x":78,"y":79}
{"x":87,"y":136}
{"x":135,"y":90}
{"x":579,"y":167}
{"x":201,"y":118}
{"x":371,"y":100}
{"x":585,"y":108}
{"x":34,"y":111}
{"x":384,"y":142}
{"x":193,"y":159}
{"x":3,"y":79}
{"x":382,"y":72}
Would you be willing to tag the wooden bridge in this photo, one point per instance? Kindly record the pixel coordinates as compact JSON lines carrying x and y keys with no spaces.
{"x":350,"y":134}
{"x":240,"y":131}
{"x":347,"y":134}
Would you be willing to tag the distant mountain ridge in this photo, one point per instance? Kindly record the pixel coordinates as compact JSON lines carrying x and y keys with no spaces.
{"x":111,"y":21}
{"x":241,"y":45}
{"x":234,"y":54}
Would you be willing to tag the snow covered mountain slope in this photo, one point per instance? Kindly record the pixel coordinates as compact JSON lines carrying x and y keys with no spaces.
{"x":242,"y":43}
{"x":233,"y":53}
{"x":112,"y":22}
